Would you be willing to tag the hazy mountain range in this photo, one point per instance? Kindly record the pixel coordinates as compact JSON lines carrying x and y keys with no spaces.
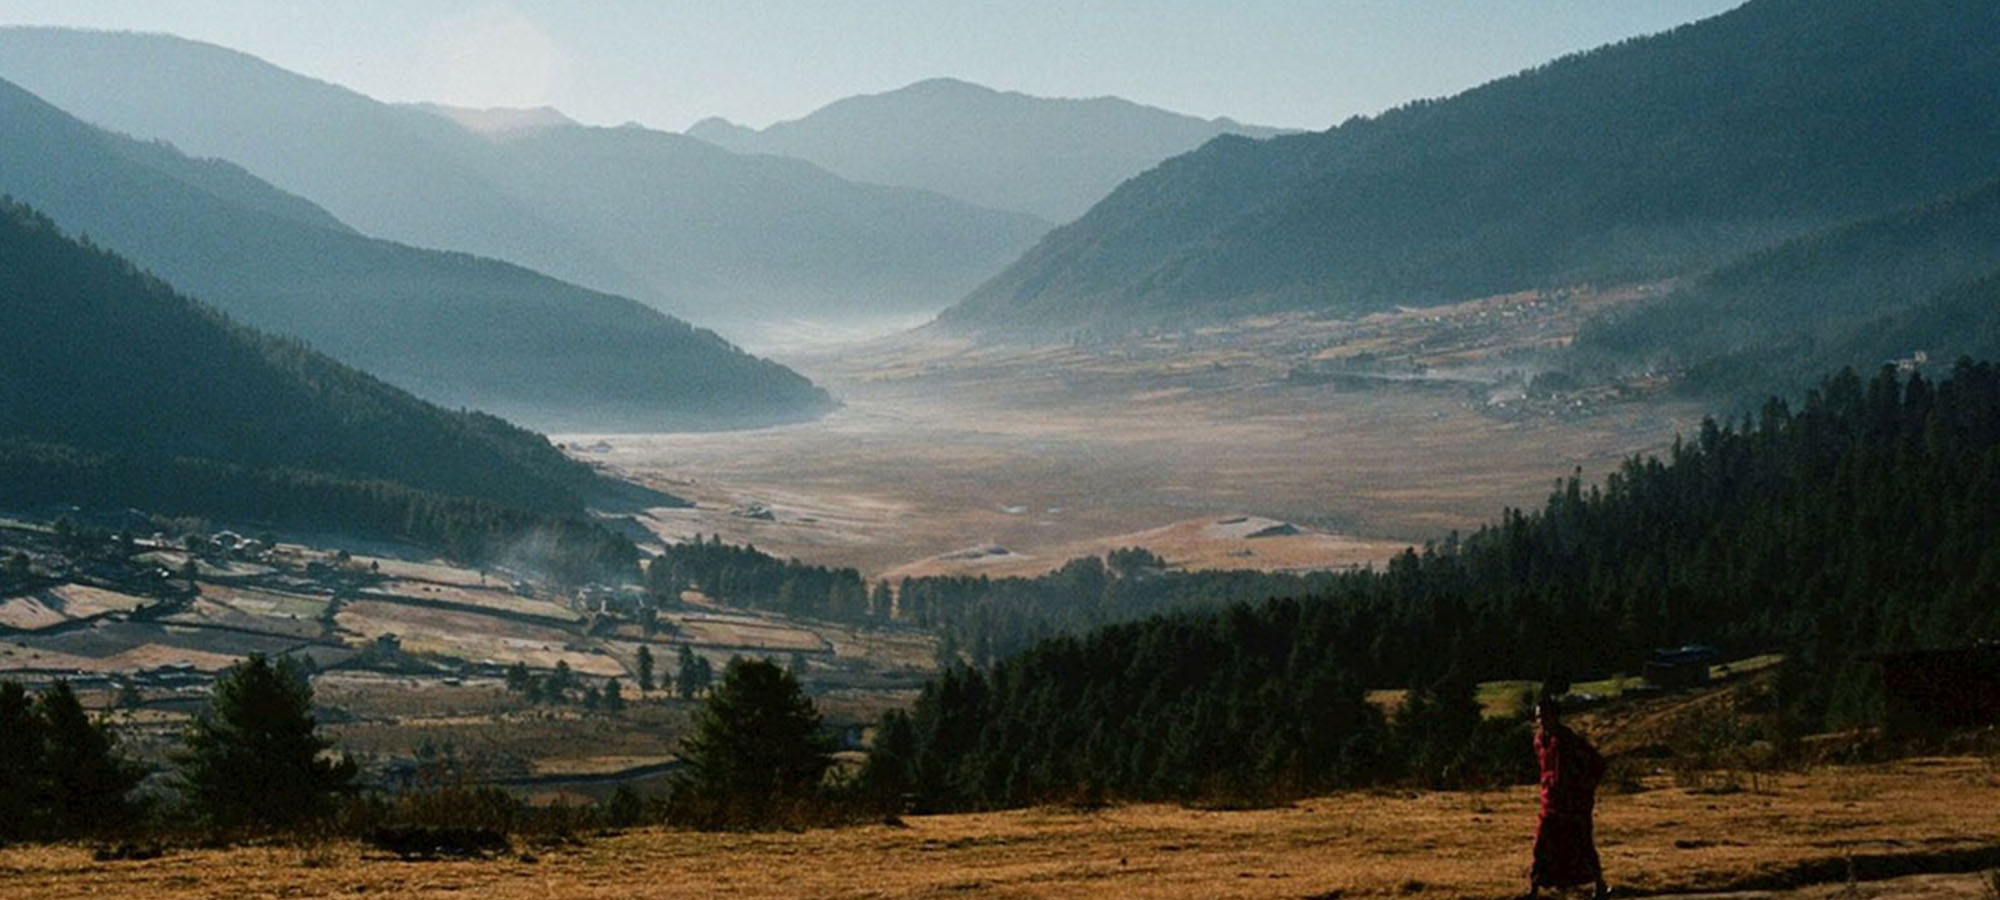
{"x":748,"y":243}
{"x":1656,"y":156}
{"x":1671,"y":155}
{"x":726,"y":239}
{"x":453,"y":328}
{"x":1048,"y":157}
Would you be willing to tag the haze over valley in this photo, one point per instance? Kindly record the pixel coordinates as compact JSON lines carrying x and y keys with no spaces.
{"x":1275,"y":451}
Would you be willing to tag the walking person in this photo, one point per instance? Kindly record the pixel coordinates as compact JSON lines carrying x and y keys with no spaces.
{"x":1565,"y":848}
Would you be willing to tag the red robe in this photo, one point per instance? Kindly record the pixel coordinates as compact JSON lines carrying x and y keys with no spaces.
{"x":1565,"y":850}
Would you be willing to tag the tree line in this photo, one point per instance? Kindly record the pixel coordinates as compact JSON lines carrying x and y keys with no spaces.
{"x":252,"y":758}
{"x":253,"y":763}
{"x":747,"y":577}
{"x":978,"y":619}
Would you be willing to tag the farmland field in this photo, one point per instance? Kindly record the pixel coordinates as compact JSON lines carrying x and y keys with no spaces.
{"x":498,"y":600}
{"x":53,"y":606}
{"x":473,"y":637}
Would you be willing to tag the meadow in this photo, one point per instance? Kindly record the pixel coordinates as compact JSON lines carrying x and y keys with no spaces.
{"x":1928,"y":817}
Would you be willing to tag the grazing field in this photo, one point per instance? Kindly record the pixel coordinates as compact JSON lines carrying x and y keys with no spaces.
{"x":752,"y":634}
{"x":64,"y":603}
{"x":947,"y":451}
{"x":1917,"y":816}
{"x":497,"y":600}
{"x":250,"y":610}
{"x":470,"y":636}
{"x":109,"y":646}
{"x":439,"y":572}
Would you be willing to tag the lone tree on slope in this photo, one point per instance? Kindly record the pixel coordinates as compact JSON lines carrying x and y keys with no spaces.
{"x":254,"y":757}
{"x":757,"y":753}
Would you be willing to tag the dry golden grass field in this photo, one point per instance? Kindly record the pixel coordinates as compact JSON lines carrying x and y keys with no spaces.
{"x":1909,"y":818}
{"x":1051,"y":452}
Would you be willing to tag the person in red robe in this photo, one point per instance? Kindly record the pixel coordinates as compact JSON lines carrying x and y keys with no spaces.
{"x":1565,"y":848}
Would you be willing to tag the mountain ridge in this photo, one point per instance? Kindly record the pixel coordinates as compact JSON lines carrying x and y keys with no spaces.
{"x":454,"y":328}
{"x":1048,"y":156}
{"x":1651,"y":157}
{"x":422,"y":177}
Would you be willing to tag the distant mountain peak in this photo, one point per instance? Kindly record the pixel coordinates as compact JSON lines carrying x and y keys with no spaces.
{"x":946,"y":84}
{"x":498,"y":121}
{"x":718,"y":130}
{"x":737,"y":241}
{"x":457,"y":329}
{"x":1050,"y":157}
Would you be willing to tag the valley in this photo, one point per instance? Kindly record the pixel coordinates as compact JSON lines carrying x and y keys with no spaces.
{"x":1292,"y":443}
{"x":483,"y":481}
{"x":1348,"y":438}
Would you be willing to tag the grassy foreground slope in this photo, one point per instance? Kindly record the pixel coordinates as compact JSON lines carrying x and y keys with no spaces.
{"x":1924,"y":815}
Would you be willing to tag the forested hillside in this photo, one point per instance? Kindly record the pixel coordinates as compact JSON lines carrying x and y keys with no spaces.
{"x":454,"y":329}
{"x":1656,"y":156}
{"x":1867,"y":518}
{"x":118,"y":392}
{"x":1920,"y":279}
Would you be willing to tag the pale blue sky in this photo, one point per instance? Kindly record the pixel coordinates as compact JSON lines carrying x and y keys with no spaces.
{"x":668,"y":63}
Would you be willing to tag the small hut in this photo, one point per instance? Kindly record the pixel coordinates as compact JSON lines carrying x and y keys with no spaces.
{"x":1680,"y":667}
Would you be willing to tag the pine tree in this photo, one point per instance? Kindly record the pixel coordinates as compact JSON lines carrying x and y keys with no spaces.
{"x":886,"y":776}
{"x":689,"y":679}
{"x":254,"y":756}
{"x":20,"y":762}
{"x":645,"y":668}
{"x":84,"y":782}
{"x":1435,"y":727}
{"x":18,"y":567}
{"x":756,"y":746}
{"x":559,"y":683}
{"x":704,"y":674}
